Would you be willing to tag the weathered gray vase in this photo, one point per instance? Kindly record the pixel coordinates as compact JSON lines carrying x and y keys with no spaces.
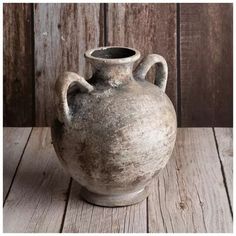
{"x":116,"y":131}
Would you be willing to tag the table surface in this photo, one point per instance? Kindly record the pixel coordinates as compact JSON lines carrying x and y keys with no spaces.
{"x":193,"y":193}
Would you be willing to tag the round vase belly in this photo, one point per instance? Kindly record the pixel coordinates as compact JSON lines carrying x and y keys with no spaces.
{"x":116,"y":132}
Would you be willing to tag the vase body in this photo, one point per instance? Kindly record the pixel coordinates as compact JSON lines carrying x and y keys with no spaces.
{"x":114,"y":132}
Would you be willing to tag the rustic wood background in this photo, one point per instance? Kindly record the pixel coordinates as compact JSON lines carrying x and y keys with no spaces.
{"x":42,"y":40}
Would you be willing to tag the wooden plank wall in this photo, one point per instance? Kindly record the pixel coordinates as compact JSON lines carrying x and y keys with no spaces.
{"x":42,"y":40}
{"x":206,"y":64}
{"x":18,"y":62}
{"x":151,"y":28}
{"x":62,"y":33}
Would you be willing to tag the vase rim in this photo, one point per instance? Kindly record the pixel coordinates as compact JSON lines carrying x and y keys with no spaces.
{"x":112,"y":55}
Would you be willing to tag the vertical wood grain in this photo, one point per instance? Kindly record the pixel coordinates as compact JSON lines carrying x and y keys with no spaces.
{"x":206,"y":64}
{"x":63,"y":32}
{"x":150,"y":28}
{"x":18,"y":61}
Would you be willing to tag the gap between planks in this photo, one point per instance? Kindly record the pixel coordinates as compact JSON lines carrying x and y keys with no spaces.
{"x":78,"y":211}
{"x":17,"y":166}
{"x":75,"y":212}
{"x":189,"y":194}
{"x":178,"y":65}
{"x":66,"y":205}
{"x":37,"y":198}
{"x":229,"y":196}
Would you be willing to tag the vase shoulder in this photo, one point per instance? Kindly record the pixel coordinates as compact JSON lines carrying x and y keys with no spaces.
{"x":107,"y":101}
{"x":116,"y":131}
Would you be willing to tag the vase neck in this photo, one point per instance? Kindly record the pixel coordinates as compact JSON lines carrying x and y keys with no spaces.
{"x":112,"y":64}
{"x":113,"y":73}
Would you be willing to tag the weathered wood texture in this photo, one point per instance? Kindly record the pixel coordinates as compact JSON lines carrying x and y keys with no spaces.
{"x":82,"y":217}
{"x":14,"y":142}
{"x":63,"y":32}
{"x":206,"y":64}
{"x":189,"y":195}
{"x":195,"y":39}
{"x":224,"y":139}
{"x":37,"y":198}
{"x":18,"y":60}
{"x":151,"y":28}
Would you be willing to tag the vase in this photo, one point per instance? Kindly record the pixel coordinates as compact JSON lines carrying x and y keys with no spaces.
{"x":116,"y":131}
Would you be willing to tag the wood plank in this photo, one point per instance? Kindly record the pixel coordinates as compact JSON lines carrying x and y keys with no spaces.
{"x":14,"y":142}
{"x":206,"y":64}
{"x":18,"y":65}
{"x":189,"y":195}
{"x":224,"y":138}
{"x":37,"y":198}
{"x":63,"y":32}
{"x":150,"y":28}
{"x":82,"y":217}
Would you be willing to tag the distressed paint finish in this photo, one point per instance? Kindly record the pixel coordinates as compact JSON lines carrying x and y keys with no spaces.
{"x":114,"y":137}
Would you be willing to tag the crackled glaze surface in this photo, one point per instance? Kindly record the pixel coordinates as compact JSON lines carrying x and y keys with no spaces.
{"x":115,"y":133}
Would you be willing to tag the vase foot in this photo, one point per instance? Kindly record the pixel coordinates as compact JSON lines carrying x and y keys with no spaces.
{"x":114,"y":200}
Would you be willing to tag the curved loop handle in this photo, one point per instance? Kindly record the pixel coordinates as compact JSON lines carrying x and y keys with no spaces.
{"x":62,"y":84}
{"x":147,"y":63}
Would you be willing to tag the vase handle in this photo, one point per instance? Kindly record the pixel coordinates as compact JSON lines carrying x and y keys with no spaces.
{"x":61,"y":87}
{"x":147,"y":63}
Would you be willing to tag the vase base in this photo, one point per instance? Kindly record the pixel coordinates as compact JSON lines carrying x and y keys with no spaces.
{"x":114,"y":200}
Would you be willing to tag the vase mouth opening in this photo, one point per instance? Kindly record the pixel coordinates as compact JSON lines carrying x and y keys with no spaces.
{"x":113,"y":55}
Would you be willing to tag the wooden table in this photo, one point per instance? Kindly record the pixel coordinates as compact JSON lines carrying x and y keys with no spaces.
{"x":192,"y":194}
